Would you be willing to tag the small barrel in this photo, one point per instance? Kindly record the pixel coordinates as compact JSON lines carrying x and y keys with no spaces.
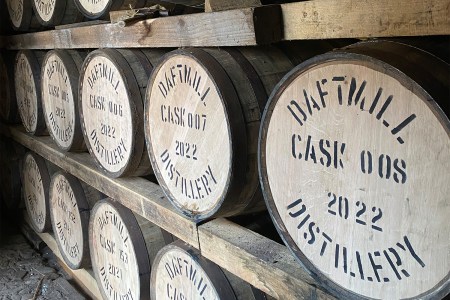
{"x":354,"y":153}
{"x":71,"y":201}
{"x":123,"y":246}
{"x":27,"y":79}
{"x":21,"y":15}
{"x":8,"y":103}
{"x":59,"y":86}
{"x":36,"y":183}
{"x":202,"y":114}
{"x":101,"y":8}
{"x":50,"y":13}
{"x":111,"y":92}
{"x":180,"y":272}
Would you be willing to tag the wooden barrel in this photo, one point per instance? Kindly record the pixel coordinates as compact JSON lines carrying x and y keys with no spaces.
{"x":354,"y":153}
{"x":50,"y":13}
{"x":180,"y":272}
{"x":111,"y":93}
{"x":36,"y":183}
{"x":8,"y":103}
{"x":122,"y":246}
{"x":202,"y":113}
{"x":71,"y":201}
{"x":59,"y":86}
{"x":27,"y":79}
{"x":21,"y":15}
{"x":101,"y":8}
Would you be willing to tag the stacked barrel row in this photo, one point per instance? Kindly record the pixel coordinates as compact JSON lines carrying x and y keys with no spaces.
{"x":363,"y":211}
{"x":31,"y":15}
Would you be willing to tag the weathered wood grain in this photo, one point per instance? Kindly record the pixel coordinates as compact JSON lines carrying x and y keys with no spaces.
{"x":249,"y":26}
{"x":140,"y":195}
{"x":219,"y":5}
{"x":263,"y":263}
{"x":321,"y":19}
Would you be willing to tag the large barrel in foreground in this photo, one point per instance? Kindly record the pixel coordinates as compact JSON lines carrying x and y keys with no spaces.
{"x":202,"y":114}
{"x":354,"y":154}
{"x":122,"y":247}
{"x":71,"y":201}
{"x":111,"y":92}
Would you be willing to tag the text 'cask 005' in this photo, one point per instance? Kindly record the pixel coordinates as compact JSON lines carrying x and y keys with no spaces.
{"x":59,"y":86}
{"x":180,"y":272}
{"x":27,"y":80}
{"x":50,"y":13}
{"x":354,"y":159}
{"x":111,"y":90}
{"x":202,"y":113}
{"x":122,"y":246}
{"x":71,"y":201}
{"x":21,"y":15}
{"x":8,"y":103}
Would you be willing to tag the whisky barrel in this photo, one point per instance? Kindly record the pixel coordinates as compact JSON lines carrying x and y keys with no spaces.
{"x":71,"y":201}
{"x":27,"y":79}
{"x":111,"y":92}
{"x":354,"y":153}
{"x":59,"y":86}
{"x":181,"y":272}
{"x":8,"y":103}
{"x":202,"y":113}
{"x":36,"y":183}
{"x":21,"y":15}
{"x":122,"y":247}
{"x":101,"y":8}
{"x":50,"y":13}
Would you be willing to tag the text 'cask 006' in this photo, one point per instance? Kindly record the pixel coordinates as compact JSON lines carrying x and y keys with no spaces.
{"x":8,"y":103}
{"x":21,"y":15}
{"x":59,"y":86}
{"x":180,"y":272}
{"x":111,"y":90}
{"x":27,"y":79}
{"x":202,"y":113}
{"x":122,"y":246}
{"x":56,"y":12}
{"x":70,"y":204}
{"x":354,"y":159}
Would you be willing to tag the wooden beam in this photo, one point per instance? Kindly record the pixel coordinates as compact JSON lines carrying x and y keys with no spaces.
{"x":329,"y":19}
{"x":242,"y":27}
{"x":219,"y":5}
{"x":263,"y":263}
{"x":140,"y":195}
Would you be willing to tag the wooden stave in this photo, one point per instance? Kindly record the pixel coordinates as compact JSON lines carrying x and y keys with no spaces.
{"x":35,"y":59}
{"x":11,"y":114}
{"x":29,"y":20}
{"x":378,"y":52}
{"x":141,"y":249}
{"x":65,"y":12}
{"x":138,"y":163}
{"x":86,"y":198}
{"x":45,"y":176}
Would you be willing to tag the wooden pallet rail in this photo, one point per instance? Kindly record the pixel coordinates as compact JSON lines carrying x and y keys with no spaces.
{"x":318,"y":19}
{"x":262,"y":262}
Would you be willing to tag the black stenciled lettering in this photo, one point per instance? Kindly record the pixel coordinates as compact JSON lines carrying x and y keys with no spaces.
{"x":298,"y":109}
{"x":351,"y":93}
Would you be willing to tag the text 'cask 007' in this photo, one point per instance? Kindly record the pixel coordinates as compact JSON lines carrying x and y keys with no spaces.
{"x":8,"y":103}
{"x":111,"y":90}
{"x":202,"y":113}
{"x":27,"y":79}
{"x":59,"y":86}
{"x":36,"y":183}
{"x":180,"y":272}
{"x":122,"y":246}
{"x":21,"y":15}
{"x":70,"y":204}
{"x":56,"y":12}
{"x":354,"y":159}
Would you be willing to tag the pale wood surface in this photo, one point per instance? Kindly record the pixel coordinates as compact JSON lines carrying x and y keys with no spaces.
{"x":353,"y":198}
{"x":219,"y":5}
{"x":229,"y":28}
{"x":263,"y":263}
{"x":84,"y":277}
{"x":140,"y":195}
{"x":321,"y":19}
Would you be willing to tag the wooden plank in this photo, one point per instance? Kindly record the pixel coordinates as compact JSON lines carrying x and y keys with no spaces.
{"x":321,"y":19}
{"x":219,"y":5}
{"x":83,"y":277}
{"x":249,"y":26}
{"x":263,"y":263}
{"x":140,"y":195}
